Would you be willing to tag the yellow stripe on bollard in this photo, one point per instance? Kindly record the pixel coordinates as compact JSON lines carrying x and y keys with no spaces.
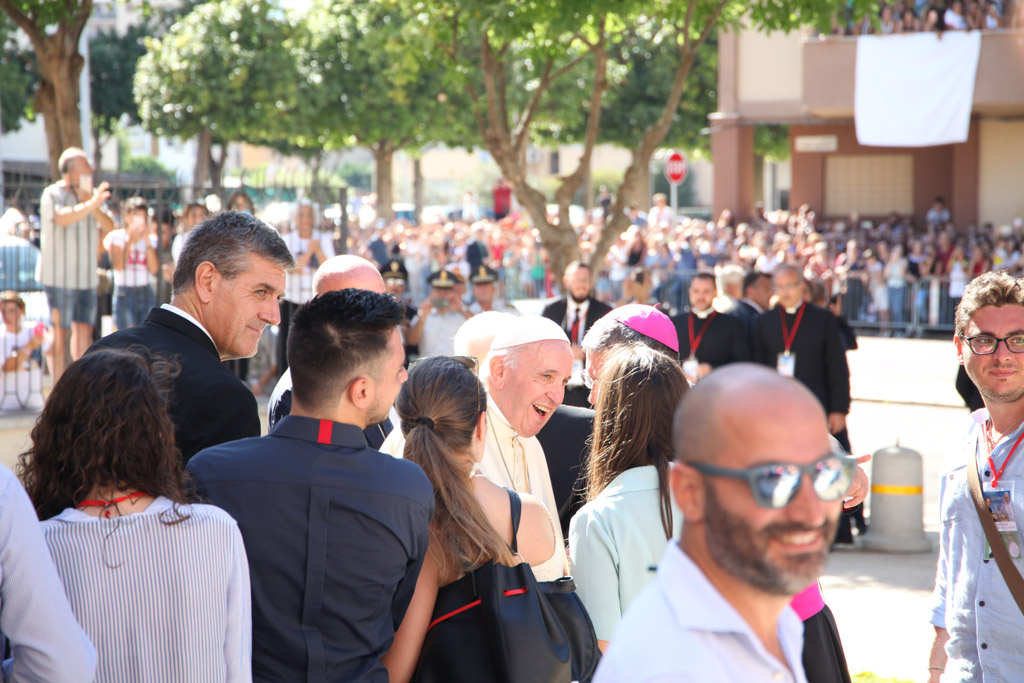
{"x":897,"y":490}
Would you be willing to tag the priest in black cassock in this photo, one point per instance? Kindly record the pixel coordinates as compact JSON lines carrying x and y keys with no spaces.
{"x":802,"y":341}
{"x":710,"y":338}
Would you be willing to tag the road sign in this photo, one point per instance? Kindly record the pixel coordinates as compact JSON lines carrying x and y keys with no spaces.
{"x":675,"y":168}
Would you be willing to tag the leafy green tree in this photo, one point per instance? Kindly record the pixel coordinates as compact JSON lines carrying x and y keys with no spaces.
{"x":54,"y":29}
{"x":225,"y":72}
{"x":366,"y":83}
{"x":17,"y":79}
{"x":112,"y":60}
{"x":566,"y":47}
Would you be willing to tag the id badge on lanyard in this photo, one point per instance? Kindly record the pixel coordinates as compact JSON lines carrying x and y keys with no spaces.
{"x":787,"y":364}
{"x":999,"y":500}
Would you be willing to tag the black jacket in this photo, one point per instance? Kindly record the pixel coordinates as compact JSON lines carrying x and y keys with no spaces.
{"x":210,"y":405}
{"x":724,"y":341}
{"x":565,"y":442}
{"x":557,"y":311}
{"x":820,"y":357}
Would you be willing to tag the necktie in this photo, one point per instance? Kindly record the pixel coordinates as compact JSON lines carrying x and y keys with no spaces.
{"x":574,"y":332}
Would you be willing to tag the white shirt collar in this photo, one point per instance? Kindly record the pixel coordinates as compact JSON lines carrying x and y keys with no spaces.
{"x":574,"y":307}
{"x":752,"y":304}
{"x":702,"y":607}
{"x":792,"y":311}
{"x":188,"y":317}
{"x":703,"y":314}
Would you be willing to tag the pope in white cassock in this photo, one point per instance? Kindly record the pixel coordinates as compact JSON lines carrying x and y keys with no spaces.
{"x":525,"y":373}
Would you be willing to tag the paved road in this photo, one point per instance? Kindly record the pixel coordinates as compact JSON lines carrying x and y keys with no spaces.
{"x":903,"y":391}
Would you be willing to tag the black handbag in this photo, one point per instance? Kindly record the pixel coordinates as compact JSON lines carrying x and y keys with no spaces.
{"x":576,"y":623}
{"x":495,"y":624}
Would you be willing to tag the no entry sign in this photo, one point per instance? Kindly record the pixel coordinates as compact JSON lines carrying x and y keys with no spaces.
{"x":675,"y":168}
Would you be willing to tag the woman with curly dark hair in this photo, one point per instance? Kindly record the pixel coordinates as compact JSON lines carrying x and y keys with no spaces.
{"x":160,"y":586}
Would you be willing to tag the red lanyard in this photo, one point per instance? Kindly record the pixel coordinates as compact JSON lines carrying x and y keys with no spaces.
{"x":107,"y":504}
{"x":788,"y":338}
{"x":991,"y":447}
{"x":695,"y":342}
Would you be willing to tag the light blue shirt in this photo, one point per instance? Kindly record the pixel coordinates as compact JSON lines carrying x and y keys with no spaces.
{"x":47,"y":643}
{"x":971,"y":600}
{"x":680,"y":629}
{"x":615,"y":544}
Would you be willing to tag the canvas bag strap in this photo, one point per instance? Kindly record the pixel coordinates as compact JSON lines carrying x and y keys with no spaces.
{"x":1013,"y":579}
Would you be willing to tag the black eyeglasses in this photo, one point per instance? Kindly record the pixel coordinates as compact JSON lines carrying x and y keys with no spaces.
{"x":775,"y":485}
{"x":986,"y":344}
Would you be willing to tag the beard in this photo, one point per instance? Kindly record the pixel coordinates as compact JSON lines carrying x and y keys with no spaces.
{"x":1010,"y":394}
{"x":743,"y":551}
{"x":579,"y":299}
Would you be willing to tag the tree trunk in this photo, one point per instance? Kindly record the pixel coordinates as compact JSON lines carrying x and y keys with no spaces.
{"x":638,"y":171}
{"x":57,"y":98}
{"x":383,"y":153}
{"x":217,"y":168}
{"x":417,"y":188}
{"x":97,"y":155}
{"x":508,"y":146}
{"x":201,"y":173}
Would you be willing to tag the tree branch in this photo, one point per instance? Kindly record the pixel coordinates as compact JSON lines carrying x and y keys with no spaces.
{"x":711,"y":25}
{"x":523,"y":125}
{"x":24,"y":23}
{"x":572,"y":183}
{"x":689,"y":18}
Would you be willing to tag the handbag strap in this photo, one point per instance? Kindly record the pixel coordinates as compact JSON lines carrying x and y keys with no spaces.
{"x":516,"y":506}
{"x":1010,"y":574}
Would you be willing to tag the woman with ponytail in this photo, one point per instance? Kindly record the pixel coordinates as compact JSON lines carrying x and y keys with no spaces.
{"x":442,"y":407}
{"x":621,"y":532}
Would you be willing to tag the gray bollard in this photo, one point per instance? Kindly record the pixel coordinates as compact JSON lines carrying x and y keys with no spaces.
{"x":897,"y":502}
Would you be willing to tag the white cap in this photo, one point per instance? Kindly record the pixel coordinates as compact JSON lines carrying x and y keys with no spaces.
{"x":528,"y":329}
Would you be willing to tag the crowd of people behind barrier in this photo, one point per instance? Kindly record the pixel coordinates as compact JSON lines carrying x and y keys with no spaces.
{"x":898,"y":275}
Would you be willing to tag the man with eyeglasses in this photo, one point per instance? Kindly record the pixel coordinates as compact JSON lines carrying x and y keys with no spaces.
{"x":760,"y":488}
{"x":975,"y":616}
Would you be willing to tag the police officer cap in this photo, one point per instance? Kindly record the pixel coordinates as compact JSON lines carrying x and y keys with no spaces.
{"x":444,"y":279}
{"x":394,"y":270}
{"x":483,"y":275}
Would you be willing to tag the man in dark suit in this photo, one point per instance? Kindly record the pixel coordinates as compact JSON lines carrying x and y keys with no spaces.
{"x":226,"y":288}
{"x":565,"y":440}
{"x":335,"y":532}
{"x":708,"y":339}
{"x":802,"y":341}
{"x":334,"y":274}
{"x":757,"y":295}
{"x":578,"y":309}
{"x":576,"y":312}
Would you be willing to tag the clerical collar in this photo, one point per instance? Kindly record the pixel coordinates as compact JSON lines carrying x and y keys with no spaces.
{"x":704,"y":314}
{"x":499,"y":425}
{"x":792,"y":311}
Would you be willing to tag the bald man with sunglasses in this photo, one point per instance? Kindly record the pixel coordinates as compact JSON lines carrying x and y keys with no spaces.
{"x":761,"y":489}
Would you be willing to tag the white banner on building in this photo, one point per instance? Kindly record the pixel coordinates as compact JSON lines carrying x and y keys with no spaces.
{"x":915,"y":90}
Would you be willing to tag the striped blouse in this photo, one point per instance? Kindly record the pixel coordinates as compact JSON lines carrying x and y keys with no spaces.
{"x":161,"y":602}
